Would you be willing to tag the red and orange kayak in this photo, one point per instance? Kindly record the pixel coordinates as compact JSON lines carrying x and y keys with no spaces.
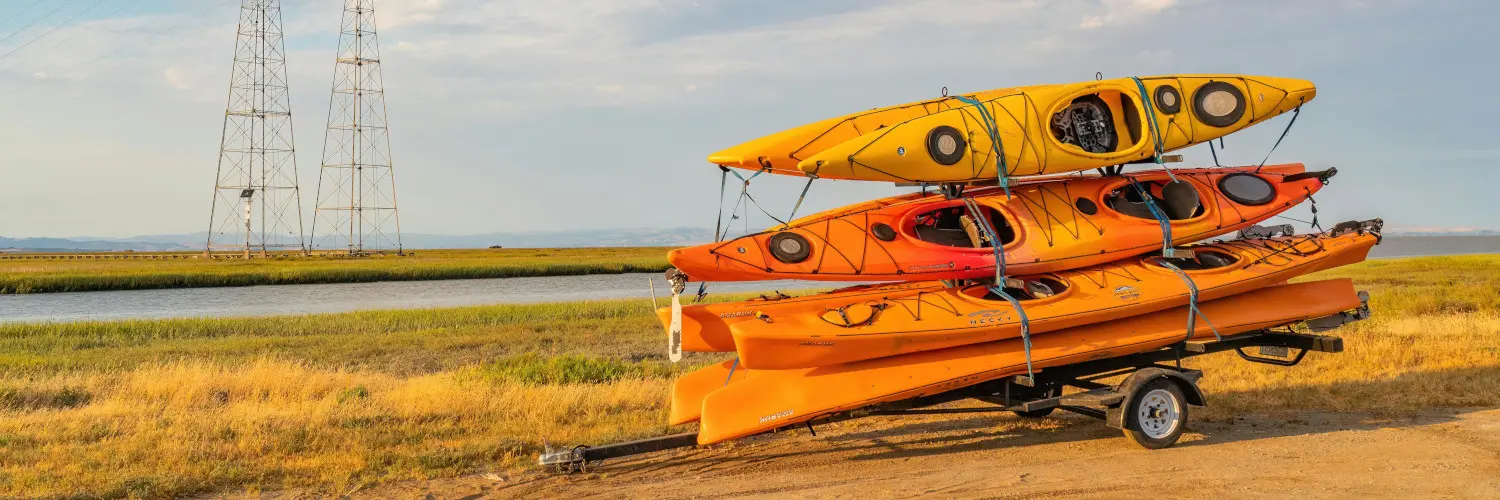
{"x":868,"y":322}
{"x":756,"y":401}
{"x":1044,"y":226}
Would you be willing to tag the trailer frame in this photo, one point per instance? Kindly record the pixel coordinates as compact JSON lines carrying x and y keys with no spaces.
{"x":1042,"y":394}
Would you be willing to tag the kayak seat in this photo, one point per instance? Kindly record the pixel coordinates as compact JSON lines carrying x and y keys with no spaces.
{"x":971,"y":229}
{"x":953,"y":227}
{"x":1179,"y":200}
{"x":946,"y":237}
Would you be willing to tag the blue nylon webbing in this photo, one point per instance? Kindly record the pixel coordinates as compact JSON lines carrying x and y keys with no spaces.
{"x":723,"y":184}
{"x":731,"y":371}
{"x":1155,"y":129}
{"x":810,"y":179}
{"x":1166,"y":246}
{"x":989,"y":232}
{"x":1150,"y":115}
{"x":720,"y":232}
{"x":1193,"y":311}
{"x":1166,"y":226}
{"x":999,"y":288}
{"x":1295,"y":112}
{"x":993,"y":129}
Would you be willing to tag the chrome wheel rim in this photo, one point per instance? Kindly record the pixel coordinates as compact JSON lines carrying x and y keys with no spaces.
{"x":1157,"y":414}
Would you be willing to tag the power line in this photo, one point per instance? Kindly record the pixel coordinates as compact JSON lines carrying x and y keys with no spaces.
{"x":69,"y":38}
{"x":34,"y":21}
{"x":22,"y":11}
{"x":162,"y":31}
{"x":54,"y":28}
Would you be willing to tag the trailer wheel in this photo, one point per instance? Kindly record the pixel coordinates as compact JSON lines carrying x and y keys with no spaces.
{"x":1157,"y":415}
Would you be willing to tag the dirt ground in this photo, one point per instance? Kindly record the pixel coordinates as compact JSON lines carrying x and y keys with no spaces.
{"x":1449,"y":454}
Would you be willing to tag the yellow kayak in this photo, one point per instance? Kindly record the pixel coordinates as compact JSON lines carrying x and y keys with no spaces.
{"x":1043,"y":129}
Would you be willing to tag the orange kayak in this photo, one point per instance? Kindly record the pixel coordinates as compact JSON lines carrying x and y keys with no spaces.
{"x":763,"y":400}
{"x":690,"y":388}
{"x":868,"y":322}
{"x":1045,"y":226}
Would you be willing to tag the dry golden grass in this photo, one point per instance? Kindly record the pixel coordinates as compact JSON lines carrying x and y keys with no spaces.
{"x":161,"y":430}
{"x":173,"y":407}
{"x":1390,"y":366}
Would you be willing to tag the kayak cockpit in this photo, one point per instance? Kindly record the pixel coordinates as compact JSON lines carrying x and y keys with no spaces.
{"x":955,"y":227}
{"x":1033,"y":288}
{"x":1094,"y":123}
{"x":1202,"y":260}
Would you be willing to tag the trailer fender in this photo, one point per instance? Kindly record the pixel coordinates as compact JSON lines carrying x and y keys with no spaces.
{"x":1186,"y":380}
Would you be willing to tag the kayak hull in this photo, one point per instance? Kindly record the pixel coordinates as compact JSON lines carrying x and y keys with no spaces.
{"x":867,"y":322}
{"x":1060,"y":128}
{"x":1045,"y":226}
{"x":770,"y":399}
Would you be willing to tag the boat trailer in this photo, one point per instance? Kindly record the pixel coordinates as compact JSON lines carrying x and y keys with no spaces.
{"x":1149,"y":405}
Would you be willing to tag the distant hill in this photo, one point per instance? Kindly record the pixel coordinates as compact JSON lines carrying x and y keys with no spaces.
{"x":74,"y":245}
{"x":645,"y":237}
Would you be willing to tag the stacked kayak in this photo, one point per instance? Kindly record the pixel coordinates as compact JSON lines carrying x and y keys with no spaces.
{"x":1021,"y":261}
{"x":1043,"y":226}
{"x":731,"y":403}
{"x":868,"y":322}
{"x":1040,"y":129}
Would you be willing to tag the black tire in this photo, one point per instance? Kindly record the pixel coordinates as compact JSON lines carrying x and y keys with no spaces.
{"x":1165,"y":413}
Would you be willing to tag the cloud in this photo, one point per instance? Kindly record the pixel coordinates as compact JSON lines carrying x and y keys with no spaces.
{"x":513,"y":57}
{"x":1124,"y":12}
{"x":622,"y":99}
{"x":178,"y":77}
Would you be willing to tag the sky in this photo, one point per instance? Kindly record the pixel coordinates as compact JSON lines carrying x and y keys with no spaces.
{"x":576,"y":114}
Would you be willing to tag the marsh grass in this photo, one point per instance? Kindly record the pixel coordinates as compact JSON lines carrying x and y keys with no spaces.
{"x":81,"y":275}
{"x":173,"y":407}
{"x":532,"y":368}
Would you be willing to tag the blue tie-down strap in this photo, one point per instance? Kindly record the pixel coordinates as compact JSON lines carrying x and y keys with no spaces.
{"x":1025,"y":325}
{"x":1151,"y":119}
{"x":1193,"y":312}
{"x":1295,"y":112}
{"x":1161,"y":218}
{"x":989,"y":232}
{"x":736,"y":364}
{"x":992,"y":128}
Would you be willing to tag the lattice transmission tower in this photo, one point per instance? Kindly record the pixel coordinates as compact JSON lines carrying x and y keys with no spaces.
{"x":356,"y":210}
{"x":256,"y":204}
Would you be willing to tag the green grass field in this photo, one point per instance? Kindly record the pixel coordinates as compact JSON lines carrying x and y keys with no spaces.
{"x":174,"y":407}
{"x":84,"y":274}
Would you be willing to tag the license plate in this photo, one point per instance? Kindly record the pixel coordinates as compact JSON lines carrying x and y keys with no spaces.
{"x":1276,"y":351}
